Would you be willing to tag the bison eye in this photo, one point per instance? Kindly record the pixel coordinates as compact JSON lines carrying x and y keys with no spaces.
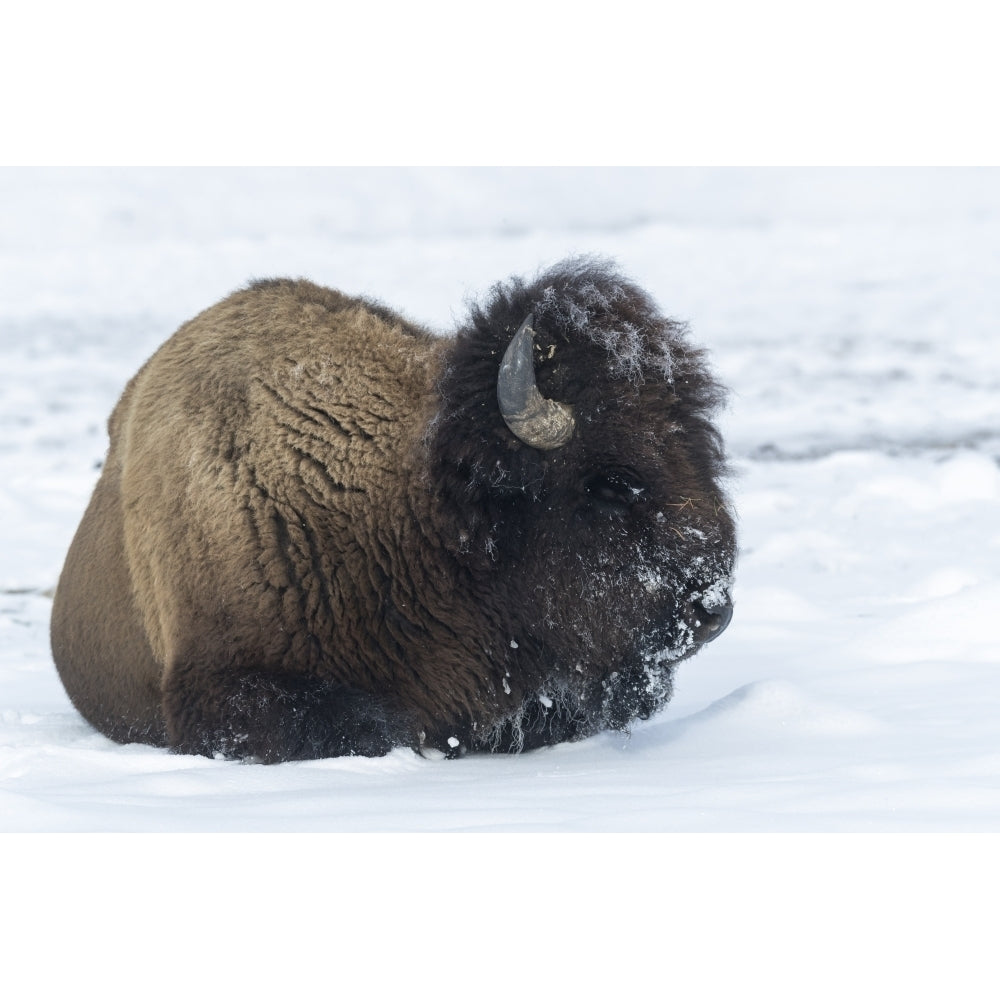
{"x":615,"y":489}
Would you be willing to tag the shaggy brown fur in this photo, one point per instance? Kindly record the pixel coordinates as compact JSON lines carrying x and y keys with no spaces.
{"x":314,"y":534}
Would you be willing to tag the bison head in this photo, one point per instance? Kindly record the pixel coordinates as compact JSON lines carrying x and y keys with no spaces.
{"x":577,"y":476}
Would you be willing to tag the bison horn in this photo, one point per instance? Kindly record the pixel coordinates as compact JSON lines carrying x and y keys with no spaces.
{"x":535,"y":420}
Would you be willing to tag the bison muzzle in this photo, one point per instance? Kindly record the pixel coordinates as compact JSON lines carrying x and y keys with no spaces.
{"x":323,"y":530}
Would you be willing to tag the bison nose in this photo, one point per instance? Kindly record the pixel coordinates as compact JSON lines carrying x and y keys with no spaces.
{"x":710,"y":624}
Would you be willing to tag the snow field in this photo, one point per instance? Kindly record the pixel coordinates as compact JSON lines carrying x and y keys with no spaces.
{"x":853,"y":314}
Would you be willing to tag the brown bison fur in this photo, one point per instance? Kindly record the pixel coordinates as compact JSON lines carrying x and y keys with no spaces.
{"x":315,"y":535}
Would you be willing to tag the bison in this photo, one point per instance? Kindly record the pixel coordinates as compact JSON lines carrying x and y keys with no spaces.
{"x":323,"y":530}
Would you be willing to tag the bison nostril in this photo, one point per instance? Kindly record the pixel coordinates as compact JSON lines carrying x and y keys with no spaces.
{"x":711,"y":624}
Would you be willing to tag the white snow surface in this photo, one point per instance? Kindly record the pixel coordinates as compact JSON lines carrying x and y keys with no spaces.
{"x":854,"y":315}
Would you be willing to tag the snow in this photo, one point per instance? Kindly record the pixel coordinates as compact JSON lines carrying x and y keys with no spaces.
{"x":853,"y":313}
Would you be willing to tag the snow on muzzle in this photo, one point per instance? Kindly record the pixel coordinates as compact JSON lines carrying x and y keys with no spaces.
{"x":709,"y":609}
{"x":683,"y":630}
{"x":709,"y":623}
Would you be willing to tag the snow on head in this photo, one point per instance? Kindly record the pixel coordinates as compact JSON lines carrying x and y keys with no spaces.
{"x":637,"y":339}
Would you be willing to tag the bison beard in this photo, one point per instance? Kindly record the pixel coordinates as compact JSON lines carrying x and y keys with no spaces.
{"x":321,"y":530}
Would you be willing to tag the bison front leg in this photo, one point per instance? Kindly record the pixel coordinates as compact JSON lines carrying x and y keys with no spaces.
{"x":274,"y":717}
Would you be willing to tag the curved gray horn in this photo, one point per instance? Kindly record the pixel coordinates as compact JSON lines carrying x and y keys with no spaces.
{"x":535,"y":420}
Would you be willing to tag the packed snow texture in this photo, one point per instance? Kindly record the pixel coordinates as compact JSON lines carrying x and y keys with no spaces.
{"x":854,"y":315}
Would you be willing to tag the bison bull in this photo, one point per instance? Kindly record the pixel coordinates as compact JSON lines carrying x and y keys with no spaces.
{"x":321,"y":530}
